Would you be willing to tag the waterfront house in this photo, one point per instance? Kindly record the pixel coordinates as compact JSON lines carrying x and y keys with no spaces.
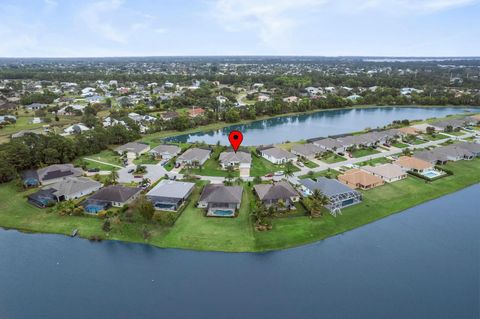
{"x":73,"y":188}
{"x":277,"y":155}
{"x":134,"y":148}
{"x":409,"y":163}
{"x":170,"y":195}
{"x":422,"y":127}
{"x":339,"y":195}
{"x":309,"y":150}
{"x":455,"y":124}
{"x":409,"y":130}
{"x":194,"y":156}
{"x":51,"y":174}
{"x":35,"y":106}
{"x":221,"y":200}
{"x":276,"y":193}
{"x":114,"y":195}
{"x":231,"y":158}
{"x":169,"y":115}
{"x":388,"y":172}
{"x":42,"y":198}
{"x":165,"y":151}
{"x":332,"y":145}
{"x":433,"y":156}
{"x":357,"y":178}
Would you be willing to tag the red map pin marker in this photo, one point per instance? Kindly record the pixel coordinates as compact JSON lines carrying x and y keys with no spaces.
{"x":235,"y":138}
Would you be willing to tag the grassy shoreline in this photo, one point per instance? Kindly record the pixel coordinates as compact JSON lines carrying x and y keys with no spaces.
{"x":195,"y":232}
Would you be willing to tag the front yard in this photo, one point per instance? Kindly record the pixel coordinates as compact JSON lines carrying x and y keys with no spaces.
{"x":331,"y":158}
{"x":361,"y":152}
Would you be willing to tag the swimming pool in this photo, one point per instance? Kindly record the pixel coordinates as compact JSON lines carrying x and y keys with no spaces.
{"x":93,"y":208}
{"x":221,"y":213}
{"x":432,"y":174}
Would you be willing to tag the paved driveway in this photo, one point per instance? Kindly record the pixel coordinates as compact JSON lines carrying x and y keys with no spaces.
{"x":154,"y":173}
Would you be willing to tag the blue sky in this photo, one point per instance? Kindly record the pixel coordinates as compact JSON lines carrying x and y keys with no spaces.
{"x":67,"y":28}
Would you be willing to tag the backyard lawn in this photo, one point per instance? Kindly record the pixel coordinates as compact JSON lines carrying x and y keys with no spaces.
{"x":435,"y":137}
{"x":399,"y":145}
{"x":194,"y":231}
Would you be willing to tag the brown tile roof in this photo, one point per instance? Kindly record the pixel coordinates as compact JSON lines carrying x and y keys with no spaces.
{"x":409,"y":130}
{"x":359,"y":177}
{"x":412,"y":163}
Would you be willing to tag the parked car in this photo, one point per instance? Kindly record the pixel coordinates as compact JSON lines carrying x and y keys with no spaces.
{"x":269,"y":175}
{"x":177,"y":165}
{"x":94,"y":170}
{"x":130,"y":171}
{"x":279,"y":173}
{"x":301,"y":164}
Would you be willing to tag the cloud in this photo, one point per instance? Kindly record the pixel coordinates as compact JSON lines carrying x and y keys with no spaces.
{"x":274,"y":21}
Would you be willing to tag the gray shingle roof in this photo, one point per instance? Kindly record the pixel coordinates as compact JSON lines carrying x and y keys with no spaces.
{"x":132,"y":147}
{"x":170,"y":149}
{"x":73,"y":185}
{"x":194,"y":154}
{"x":278,"y":153}
{"x":306,"y":149}
{"x":238,"y":157}
{"x":280,"y":190}
{"x":329,"y":187}
{"x":115,"y":193}
{"x":58,"y":171}
{"x":218,"y":193}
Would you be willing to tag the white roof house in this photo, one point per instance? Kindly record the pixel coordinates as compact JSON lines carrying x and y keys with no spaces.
{"x":76,"y":129}
{"x":277,"y":155}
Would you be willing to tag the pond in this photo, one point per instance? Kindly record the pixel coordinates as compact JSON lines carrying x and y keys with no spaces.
{"x":422,"y":263}
{"x":319,"y":124}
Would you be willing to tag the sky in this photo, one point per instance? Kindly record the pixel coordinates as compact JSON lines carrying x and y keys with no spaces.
{"x":95,"y":28}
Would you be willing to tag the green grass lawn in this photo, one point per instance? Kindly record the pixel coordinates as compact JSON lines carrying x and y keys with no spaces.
{"x":329,"y":173}
{"x":309,"y":164}
{"x":363,"y":152}
{"x":107,"y":156}
{"x":85,"y":164}
{"x":435,"y":137}
{"x":375,"y":161}
{"x":459,"y":133}
{"x":212,"y":166}
{"x":331,"y":158}
{"x":145,"y":159}
{"x":399,"y":145}
{"x":261,"y":167}
{"x":193,"y":230}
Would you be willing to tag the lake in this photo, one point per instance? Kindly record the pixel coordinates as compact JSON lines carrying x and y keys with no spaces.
{"x":319,"y":124}
{"x":423,"y":263}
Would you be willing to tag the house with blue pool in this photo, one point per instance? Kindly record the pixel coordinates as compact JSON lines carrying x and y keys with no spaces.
{"x":339,"y":195}
{"x":170,"y":195}
{"x":110,"y":196}
{"x":220,"y":200}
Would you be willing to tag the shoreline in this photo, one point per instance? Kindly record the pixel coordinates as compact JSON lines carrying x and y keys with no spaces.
{"x":296,"y":245}
{"x":221,"y":125}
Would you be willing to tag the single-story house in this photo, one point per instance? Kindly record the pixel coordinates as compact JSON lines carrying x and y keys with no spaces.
{"x":474,"y":148}
{"x":433,"y":156}
{"x":195,"y":111}
{"x":454,"y":123}
{"x":414,"y":164}
{"x":277,"y":155}
{"x":273,"y":194}
{"x":35,"y":106}
{"x":357,"y":178}
{"x":50,"y":174}
{"x":388,"y":172}
{"x":309,"y":150}
{"x":114,"y":195}
{"x":455,"y":153}
{"x":170,"y":195}
{"x":194,"y":156}
{"x":76,"y":129}
{"x":169,"y":115}
{"x":239,"y":158}
{"x":220,"y":198}
{"x":133,"y":148}
{"x":73,"y":188}
{"x":165,"y":151}
{"x":332,"y":145}
{"x":339,"y":195}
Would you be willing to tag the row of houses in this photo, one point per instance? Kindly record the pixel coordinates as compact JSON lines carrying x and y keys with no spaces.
{"x":453,"y":152}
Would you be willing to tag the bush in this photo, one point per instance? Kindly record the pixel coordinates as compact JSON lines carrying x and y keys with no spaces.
{"x":165,"y":218}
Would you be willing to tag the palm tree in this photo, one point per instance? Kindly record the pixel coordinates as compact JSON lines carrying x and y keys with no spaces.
{"x":288,"y":169}
{"x":318,"y":200}
{"x":114,"y":176}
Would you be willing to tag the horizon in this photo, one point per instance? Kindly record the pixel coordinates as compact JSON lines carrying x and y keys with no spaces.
{"x":123,"y":28}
